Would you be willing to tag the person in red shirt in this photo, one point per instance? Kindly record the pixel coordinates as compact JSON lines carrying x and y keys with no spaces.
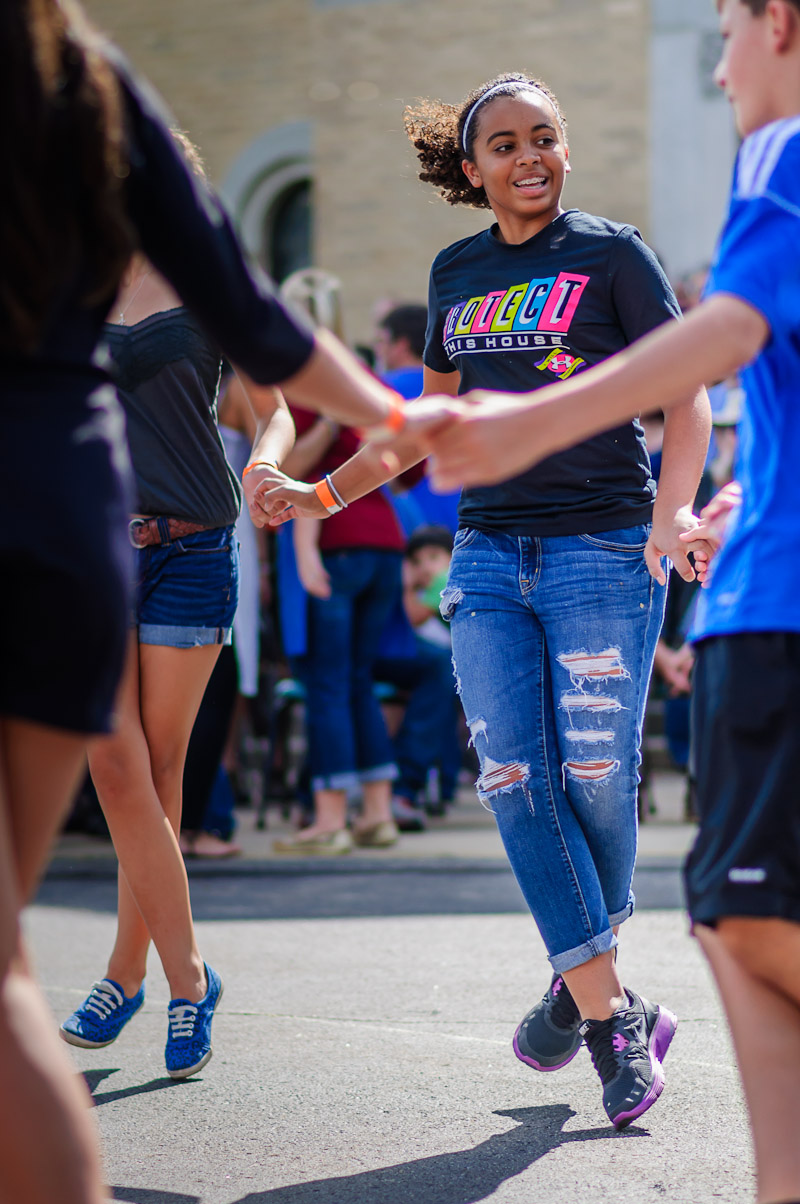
{"x":350,"y":566}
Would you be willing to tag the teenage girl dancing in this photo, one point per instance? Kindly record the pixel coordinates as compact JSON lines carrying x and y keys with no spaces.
{"x":556,"y":589}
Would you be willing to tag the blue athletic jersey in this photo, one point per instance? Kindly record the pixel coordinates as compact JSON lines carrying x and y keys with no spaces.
{"x":755,"y":584}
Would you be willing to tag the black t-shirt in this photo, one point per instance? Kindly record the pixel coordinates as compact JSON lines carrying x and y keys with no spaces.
{"x":518,"y":317}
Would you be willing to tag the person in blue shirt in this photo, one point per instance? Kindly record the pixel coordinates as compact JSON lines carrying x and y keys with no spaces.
{"x":400,"y":346}
{"x":743,"y":874}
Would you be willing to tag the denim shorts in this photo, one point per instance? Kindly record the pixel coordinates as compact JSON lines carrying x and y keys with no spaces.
{"x":186,"y":591}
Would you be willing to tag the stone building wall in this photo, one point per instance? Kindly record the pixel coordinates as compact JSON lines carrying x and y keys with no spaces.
{"x":235,"y":71}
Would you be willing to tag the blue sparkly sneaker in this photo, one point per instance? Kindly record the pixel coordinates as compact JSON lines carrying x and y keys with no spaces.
{"x":189,"y":1033}
{"x":102,"y":1016}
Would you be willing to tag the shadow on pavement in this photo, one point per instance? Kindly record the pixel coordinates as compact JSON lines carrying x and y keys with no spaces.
{"x":93,"y":1079}
{"x":348,"y":894}
{"x":142,"y":1195}
{"x":462,"y":1177}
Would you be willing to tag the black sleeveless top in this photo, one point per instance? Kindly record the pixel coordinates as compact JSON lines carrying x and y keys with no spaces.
{"x":167,"y":375}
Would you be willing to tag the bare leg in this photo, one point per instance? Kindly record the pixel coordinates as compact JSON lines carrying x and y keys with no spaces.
{"x":376,"y":807}
{"x":596,"y":987}
{"x":138,"y":774}
{"x":48,"y":1145}
{"x":330,"y":814}
{"x":43,"y":768}
{"x":756,"y":964}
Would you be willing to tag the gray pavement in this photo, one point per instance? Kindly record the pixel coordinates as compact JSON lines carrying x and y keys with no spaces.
{"x":362,"y":1050}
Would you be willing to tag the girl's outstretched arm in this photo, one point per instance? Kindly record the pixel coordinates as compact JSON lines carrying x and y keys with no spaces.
{"x":498,"y":435}
{"x":371,"y":466}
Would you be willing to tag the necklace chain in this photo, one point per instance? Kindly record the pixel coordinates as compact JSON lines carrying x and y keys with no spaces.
{"x":129,"y":303}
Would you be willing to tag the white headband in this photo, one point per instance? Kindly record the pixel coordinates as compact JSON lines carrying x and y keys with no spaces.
{"x":520,"y":86}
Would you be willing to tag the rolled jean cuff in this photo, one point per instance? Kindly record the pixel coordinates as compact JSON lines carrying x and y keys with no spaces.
{"x":619,"y":917}
{"x":183,"y":637}
{"x":347,"y":780}
{"x":379,"y":773}
{"x":351,"y":779}
{"x":581,"y":954}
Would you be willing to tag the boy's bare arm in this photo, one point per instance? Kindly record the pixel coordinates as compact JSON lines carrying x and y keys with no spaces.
{"x":499,"y":435}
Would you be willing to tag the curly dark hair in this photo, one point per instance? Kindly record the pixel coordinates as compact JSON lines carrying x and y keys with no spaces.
{"x":436,"y":130}
{"x":62,"y":206}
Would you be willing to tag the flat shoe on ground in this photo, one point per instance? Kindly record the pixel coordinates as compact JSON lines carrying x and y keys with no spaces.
{"x":379,"y":836}
{"x":326,"y":844}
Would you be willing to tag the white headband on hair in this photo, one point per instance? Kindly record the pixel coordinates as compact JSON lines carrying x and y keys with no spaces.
{"x":520,"y":85}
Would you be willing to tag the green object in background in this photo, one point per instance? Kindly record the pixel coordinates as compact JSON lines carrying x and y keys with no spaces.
{"x":432,"y":595}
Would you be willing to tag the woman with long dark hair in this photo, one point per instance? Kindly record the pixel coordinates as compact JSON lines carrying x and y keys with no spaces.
{"x":91,"y":172}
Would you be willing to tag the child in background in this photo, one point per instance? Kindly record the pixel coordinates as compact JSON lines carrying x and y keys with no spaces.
{"x":428,"y":735}
{"x":425,"y":569}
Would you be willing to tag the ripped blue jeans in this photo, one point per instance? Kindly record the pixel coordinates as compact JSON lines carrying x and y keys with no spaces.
{"x":553,"y":646}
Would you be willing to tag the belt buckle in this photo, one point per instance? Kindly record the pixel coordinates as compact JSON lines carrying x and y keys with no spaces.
{"x":133,"y":526}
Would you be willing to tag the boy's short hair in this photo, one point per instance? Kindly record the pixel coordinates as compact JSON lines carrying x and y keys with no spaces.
{"x":408,"y":322}
{"x":435,"y":536}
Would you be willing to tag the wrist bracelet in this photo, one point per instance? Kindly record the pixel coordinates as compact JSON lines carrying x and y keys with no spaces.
{"x":259,"y":464}
{"x":390,"y":426}
{"x":325,"y":495}
{"x":337,"y":497}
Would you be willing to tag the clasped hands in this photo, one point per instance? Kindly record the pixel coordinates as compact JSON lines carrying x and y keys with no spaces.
{"x":477,"y":440}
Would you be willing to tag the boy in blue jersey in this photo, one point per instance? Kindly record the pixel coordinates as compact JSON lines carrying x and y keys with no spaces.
{"x":743,"y":875}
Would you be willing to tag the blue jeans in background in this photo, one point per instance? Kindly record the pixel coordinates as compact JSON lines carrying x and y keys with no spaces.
{"x":428,"y":734}
{"x":553,"y":645}
{"x":347,"y":737}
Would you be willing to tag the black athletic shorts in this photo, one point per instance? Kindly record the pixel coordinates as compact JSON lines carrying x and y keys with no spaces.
{"x":746,"y":744}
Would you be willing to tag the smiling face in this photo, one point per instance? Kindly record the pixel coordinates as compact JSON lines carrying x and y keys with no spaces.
{"x":746,"y":70}
{"x":520,"y":159}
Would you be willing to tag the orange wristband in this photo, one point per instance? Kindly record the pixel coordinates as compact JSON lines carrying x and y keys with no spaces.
{"x":390,"y":426}
{"x":258,"y":464}
{"x":323,"y":492}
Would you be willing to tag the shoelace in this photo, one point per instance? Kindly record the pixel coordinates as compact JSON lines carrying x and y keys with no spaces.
{"x":564,"y":1013}
{"x":103,"y":999}
{"x":181,"y":1020}
{"x":600,"y":1040}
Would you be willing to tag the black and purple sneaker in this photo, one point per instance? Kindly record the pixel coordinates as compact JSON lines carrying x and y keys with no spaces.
{"x":550,"y":1035}
{"x":627,"y":1051}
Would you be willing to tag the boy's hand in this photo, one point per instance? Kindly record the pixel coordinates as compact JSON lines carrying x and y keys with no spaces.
{"x":711,"y":528}
{"x":480,"y":444}
{"x":423,"y":418}
{"x":673,"y":536}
